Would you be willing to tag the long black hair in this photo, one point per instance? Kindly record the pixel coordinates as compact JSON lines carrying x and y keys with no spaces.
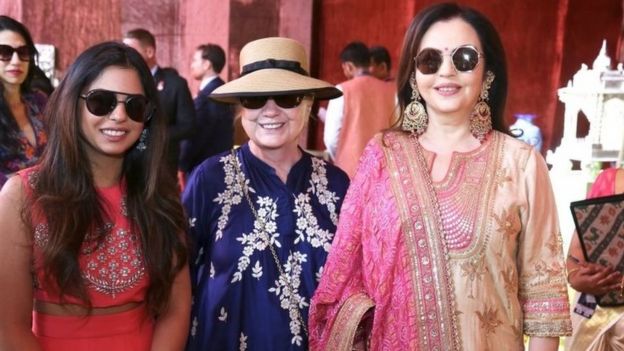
{"x":65,"y":193}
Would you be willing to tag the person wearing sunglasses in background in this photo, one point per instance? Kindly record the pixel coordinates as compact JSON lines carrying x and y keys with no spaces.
{"x":262,"y":217}
{"x":22,"y":129}
{"x":448,"y":238}
{"x":93,"y":251}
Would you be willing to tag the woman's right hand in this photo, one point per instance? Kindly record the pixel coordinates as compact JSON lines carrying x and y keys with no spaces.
{"x":595,"y":279}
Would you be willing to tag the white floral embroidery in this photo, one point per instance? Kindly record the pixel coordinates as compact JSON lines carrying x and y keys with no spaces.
{"x":291,"y":300}
{"x":256,"y":240}
{"x":192,"y":222}
{"x":257,"y":270}
{"x":319,"y":274}
{"x":222,"y":315}
{"x":319,"y":182}
{"x":194,"y":326}
{"x":233,"y":193}
{"x":212,"y":270}
{"x":308,"y":224}
{"x":307,"y":230}
{"x":243,"y":342}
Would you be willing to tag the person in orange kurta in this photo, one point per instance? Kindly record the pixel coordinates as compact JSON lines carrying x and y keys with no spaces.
{"x":366,"y":107}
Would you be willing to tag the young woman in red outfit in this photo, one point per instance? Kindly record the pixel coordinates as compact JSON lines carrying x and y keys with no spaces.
{"x":92,"y":255}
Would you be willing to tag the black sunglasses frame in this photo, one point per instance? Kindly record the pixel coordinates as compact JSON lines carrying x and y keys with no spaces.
{"x":110,"y":106}
{"x":457,"y":59}
{"x":283,"y":101}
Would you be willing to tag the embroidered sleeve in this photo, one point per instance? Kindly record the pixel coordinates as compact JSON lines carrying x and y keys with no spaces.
{"x":543,"y":289}
{"x":341,"y":295}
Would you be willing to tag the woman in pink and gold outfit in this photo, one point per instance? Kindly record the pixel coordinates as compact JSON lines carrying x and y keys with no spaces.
{"x":448,"y":238}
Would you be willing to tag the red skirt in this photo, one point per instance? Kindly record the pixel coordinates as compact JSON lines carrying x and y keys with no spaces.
{"x":131,"y":330}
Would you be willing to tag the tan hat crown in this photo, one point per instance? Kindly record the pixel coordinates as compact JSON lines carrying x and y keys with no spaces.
{"x":275,"y":48}
{"x":274,"y":66}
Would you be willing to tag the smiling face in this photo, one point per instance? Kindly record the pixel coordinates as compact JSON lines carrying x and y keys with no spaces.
{"x":272,"y":127}
{"x":111,"y":136}
{"x":13,"y":72}
{"x":448,"y":92}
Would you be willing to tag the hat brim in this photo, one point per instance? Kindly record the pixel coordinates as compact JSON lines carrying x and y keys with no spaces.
{"x":274,"y":81}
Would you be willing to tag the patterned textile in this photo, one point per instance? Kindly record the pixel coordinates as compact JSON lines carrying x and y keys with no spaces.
{"x":472,"y":262}
{"x":28,"y":153}
{"x":605,"y":329}
{"x":113,"y":269}
{"x":240,"y":301}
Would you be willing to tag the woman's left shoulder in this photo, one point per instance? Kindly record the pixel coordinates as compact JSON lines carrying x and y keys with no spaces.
{"x":331,"y":171}
{"x":517,"y":150}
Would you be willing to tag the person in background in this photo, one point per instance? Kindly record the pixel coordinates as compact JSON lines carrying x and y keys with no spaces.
{"x":380,"y":63}
{"x":93,"y":250}
{"x":263,"y":216}
{"x":448,"y":237}
{"x":215,"y":121}
{"x":604,"y":329}
{"x":173,"y":92}
{"x":22,"y":129}
{"x":366,"y":107}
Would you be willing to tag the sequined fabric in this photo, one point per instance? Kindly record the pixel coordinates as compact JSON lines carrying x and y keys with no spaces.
{"x":438,"y":283}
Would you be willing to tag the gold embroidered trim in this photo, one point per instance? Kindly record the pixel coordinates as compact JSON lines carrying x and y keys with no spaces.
{"x":346,"y":322}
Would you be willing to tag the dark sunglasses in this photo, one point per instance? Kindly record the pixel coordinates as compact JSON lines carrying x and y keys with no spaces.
{"x":283,"y":101}
{"x":465,"y":59}
{"x":24,"y":53}
{"x":102,"y":102}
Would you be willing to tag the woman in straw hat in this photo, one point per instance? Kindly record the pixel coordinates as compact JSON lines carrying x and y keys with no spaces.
{"x":262,"y":216}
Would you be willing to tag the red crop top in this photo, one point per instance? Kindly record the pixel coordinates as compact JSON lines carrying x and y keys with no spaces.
{"x":113,"y":270}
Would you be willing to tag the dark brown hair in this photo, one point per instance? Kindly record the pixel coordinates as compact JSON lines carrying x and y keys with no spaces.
{"x":492,"y":50}
{"x":215,"y":54}
{"x":65,"y":192}
{"x":143,"y":36}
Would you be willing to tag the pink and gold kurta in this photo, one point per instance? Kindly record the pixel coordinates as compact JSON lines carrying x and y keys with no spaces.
{"x":472,"y":262}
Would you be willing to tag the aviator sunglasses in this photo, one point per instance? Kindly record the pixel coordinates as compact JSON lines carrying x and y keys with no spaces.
{"x":24,"y":53}
{"x":102,"y":102}
{"x":465,"y":58}
{"x":283,"y":101}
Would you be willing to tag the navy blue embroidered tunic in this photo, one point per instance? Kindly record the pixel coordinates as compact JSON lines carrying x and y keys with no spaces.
{"x":240,"y":301}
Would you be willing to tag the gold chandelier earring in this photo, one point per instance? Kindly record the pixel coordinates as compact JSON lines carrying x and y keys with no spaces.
{"x":481,"y":116}
{"x":415,"y":117}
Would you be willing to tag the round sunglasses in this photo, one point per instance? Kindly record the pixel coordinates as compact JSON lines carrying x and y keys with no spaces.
{"x":283,"y":101}
{"x":464,"y":58}
{"x":24,"y":53}
{"x":102,"y":102}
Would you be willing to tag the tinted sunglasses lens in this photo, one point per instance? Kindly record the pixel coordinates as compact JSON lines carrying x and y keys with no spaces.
{"x":137,"y":108}
{"x":428,"y":61}
{"x":465,"y":59}
{"x":288,"y":101}
{"x":253,"y":102}
{"x":6,"y":52}
{"x":101,"y":103}
{"x":24,"y":53}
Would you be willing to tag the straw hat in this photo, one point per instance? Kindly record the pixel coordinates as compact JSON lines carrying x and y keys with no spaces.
{"x":273,"y":66}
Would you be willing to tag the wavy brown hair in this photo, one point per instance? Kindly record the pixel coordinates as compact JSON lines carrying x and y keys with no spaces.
{"x":65,"y":192}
